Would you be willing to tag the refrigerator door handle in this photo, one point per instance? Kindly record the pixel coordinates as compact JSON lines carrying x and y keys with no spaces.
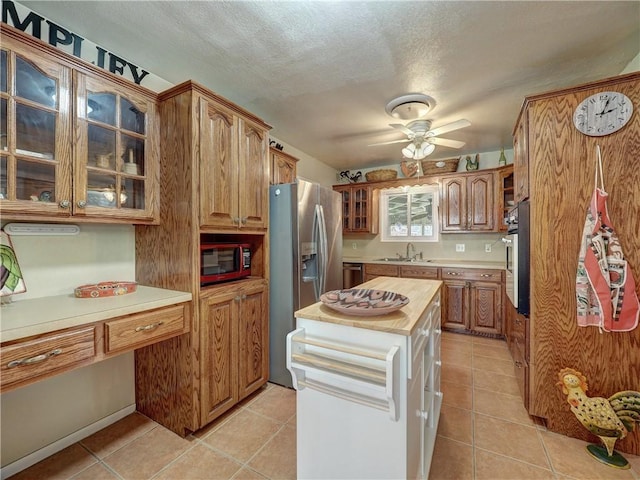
{"x":315,"y":240}
{"x":324,"y":254}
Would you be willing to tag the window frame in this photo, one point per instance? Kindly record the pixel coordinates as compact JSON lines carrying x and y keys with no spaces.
{"x":409,"y":192}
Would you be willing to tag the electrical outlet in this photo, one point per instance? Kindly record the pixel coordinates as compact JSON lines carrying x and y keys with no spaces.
{"x":354,"y":245}
{"x":487,"y":247}
{"x":459,"y":247}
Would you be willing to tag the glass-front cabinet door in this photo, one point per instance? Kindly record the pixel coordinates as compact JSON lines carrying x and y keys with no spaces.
{"x":35,"y":134}
{"x":116,"y":157}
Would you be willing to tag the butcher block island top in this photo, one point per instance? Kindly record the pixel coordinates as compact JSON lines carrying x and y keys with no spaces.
{"x":402,"y":322}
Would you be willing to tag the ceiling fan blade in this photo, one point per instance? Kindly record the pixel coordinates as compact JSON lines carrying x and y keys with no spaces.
{"x":402,"y":128}
{"x":389,"y":143}
{"x":444,"y":142}
{"x":449,"y":127}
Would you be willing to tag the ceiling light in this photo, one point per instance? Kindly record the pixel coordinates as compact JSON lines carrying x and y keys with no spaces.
{"x":418,"y":152}
{"x":410,"y":107}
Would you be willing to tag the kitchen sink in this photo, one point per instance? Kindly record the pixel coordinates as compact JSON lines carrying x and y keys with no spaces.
{"x":400,"y":259}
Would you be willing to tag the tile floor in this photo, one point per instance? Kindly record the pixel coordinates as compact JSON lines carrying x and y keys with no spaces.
{"x":484,"y":433}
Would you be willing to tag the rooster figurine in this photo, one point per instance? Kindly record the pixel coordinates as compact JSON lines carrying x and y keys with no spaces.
{"x":609,"y":419}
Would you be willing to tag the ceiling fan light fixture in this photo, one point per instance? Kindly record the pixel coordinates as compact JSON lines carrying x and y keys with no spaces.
{"x":409,"y":151}
{"x":410,"y":107}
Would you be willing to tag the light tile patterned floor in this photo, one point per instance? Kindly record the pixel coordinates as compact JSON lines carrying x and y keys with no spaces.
{"x":484,"y":433}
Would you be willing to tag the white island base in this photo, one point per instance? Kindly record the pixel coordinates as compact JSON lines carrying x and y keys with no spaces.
{"x":368,"y":390}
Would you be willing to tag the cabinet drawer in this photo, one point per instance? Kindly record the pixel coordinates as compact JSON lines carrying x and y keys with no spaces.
{"x":139,"y":330}
{"x":45,"y":355}
{"x":384,"y":270}
{"x":484,"y":275}
{"x":408,"y":271}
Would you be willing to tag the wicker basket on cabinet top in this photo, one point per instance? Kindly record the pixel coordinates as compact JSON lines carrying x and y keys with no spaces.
{"x":435,"y":167}
{"x":381,"y":175}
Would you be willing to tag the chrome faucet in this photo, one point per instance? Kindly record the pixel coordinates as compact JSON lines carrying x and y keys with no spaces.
{"x":410,"y":246}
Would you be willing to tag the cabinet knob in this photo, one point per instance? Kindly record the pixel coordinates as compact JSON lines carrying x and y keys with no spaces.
{"x":236,"y":220}
{"x":64,"y":204}
{"x":421,"y":414}
{"x":81,"y":203}
{"x":243,"y":297}
{"x":424,"y":332}
{"x":518,"y":364}
{"x":237,"y":299}
{"x":243,"y":220}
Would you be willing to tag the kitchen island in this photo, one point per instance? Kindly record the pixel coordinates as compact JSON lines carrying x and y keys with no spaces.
{"x":368,"y":387}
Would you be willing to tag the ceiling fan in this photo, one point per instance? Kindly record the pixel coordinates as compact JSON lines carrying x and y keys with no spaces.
{"x":423,"y":140}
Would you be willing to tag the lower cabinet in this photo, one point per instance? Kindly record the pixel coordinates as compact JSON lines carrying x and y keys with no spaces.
{"x":517,"y":333}
{"x":234,"y":342}
{"x":472,"y":300}
{"x":373,"y":270}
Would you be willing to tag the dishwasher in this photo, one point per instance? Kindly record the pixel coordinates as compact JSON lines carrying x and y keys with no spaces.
{"x":351,"y":274}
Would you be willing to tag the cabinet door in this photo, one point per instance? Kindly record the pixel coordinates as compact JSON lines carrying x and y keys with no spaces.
{"x":480,"y":202}
{"x":219,"y":359}
{"x":360,"y":209}
{"x":521,"y":159}
{"x":485,"y":301}
{"x":218,"y":166}
{"x":116,"y":165}
{"x":506,"y":198}
{"x":283,"y":168}
{"x":253,"y":167}
{"x":35,"y":134}
{"x":345,"y":192}
{"x":454,"y":205}
{"x":456,"y":305}
{"x":253,"y":338}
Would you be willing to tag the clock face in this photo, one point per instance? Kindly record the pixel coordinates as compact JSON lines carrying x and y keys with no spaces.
{"x":603,"y":113}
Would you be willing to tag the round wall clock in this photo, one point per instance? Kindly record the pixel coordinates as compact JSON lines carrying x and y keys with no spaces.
{"x":603,"y":113}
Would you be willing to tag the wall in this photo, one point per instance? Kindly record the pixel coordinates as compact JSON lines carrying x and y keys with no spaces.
{"x":34,"y":416}
{"x":372,"y":247}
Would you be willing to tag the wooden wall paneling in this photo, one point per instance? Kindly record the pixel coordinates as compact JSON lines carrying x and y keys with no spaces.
{"x":561,"y":168}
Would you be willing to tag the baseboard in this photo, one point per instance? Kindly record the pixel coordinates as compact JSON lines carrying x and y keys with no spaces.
{"x":55,"y":447}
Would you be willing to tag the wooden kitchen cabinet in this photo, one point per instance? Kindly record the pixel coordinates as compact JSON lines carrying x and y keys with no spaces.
{"x":234,"y":169}
{"x":215,"y":168}
{"x":472,"y":300}
{"x":517,"y":335}
{"x":467,"y":202}
{"x":359,"y":209}
{"x":373,"y":270}
{"x":521,"y":158}
{"x":283,"y":167}
{"x":506,"y":196}
{"x":235,"y":328}
{"x":77,"y":142}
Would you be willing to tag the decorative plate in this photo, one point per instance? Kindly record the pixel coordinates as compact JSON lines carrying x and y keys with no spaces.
{"x":363,"y":301}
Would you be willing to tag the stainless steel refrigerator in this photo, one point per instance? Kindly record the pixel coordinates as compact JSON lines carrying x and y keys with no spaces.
{"x":305,"y":243}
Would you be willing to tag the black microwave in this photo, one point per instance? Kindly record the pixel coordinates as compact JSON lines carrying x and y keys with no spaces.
{"x":220,"y":262}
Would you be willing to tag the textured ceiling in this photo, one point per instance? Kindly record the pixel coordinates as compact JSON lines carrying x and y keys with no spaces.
{"x":322,"y":72}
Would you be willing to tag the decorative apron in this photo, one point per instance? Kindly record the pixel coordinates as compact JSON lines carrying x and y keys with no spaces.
{"x":605,"y":289}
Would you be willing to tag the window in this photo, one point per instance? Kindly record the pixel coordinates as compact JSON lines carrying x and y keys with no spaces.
{"x":409,"y":214}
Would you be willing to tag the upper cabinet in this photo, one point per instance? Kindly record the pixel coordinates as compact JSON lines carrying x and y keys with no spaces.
{"x":521,"y":158}
{"x":234,"y":169}
{"x":359,"y":215}
{"x":76,"y":143}
{"x":283,"y":167}
{"x":506,"y":195}
{"x":467,"y":202}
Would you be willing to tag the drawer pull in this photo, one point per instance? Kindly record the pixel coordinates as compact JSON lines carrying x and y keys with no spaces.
{"x":36,"y":359}
{"x":486,"y":275}
{"x":453,"y":273}
{"x":151,"y":326}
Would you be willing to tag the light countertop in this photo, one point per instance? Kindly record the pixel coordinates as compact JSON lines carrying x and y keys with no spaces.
{"x":403,"y":321}
{"x":36,"y":316}
{"x":429,"y":262}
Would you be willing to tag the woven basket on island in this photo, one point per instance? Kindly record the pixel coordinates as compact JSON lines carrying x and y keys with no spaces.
{"x":436,"y":167}
{"x":381,"y":175}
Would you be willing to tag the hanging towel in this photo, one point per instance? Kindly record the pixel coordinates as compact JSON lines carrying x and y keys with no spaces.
{"x":605,"y":289}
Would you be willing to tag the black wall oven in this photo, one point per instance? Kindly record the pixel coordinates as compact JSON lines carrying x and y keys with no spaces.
{"x":517,"y":257}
